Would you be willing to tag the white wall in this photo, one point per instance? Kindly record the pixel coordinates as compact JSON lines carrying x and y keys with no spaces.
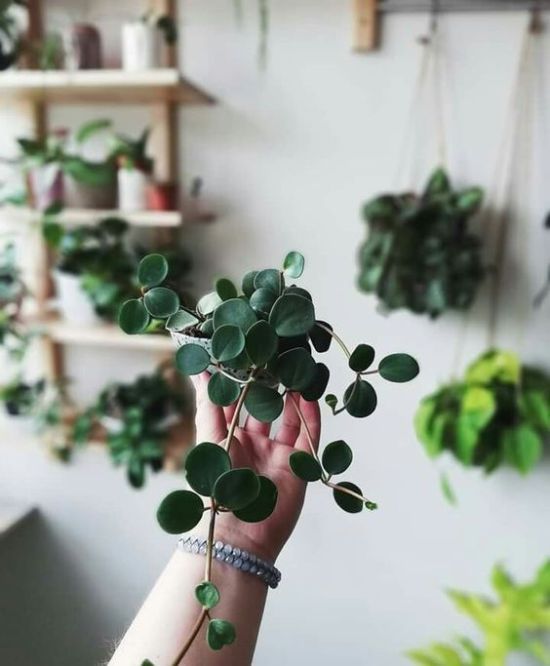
{"x":288,"y":156}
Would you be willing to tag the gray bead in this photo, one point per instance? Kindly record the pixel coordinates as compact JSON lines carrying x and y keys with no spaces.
{"x":228,"y":549}
{"x":229,"y":559}
{"x":237,"y":551}
{"x":253,"y":569}
{"x":238,"y":563}
{"x":245,"y":566}
{"x":218,"y":545}
{"x":220,"y":556}
{"x":252,"y":558}
{"x":203,"y":549}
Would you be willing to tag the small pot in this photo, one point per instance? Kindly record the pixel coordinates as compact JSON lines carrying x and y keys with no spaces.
{"x":83,"y":47}
{"x":161,"y":196}
{"x":141,"y":46}
{"x":45,"y":186}
{"x":132,"y":190}
{"x":73,"y":303}
{"x":81,"y":195}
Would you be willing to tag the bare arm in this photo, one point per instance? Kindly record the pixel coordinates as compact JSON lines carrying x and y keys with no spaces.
{"x":170,"y":612}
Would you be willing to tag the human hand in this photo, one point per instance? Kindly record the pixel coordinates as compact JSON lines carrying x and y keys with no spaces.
{"x":253,"y":446}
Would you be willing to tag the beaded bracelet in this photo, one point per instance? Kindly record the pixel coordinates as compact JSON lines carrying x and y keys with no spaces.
{"x":235,"y":557}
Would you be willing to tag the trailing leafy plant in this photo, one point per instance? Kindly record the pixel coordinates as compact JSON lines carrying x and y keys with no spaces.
{"x":498,"y":414}
{"x":420,"y":254}
{"x":257,"y":342}
{"x":137,"y":418}
{"x":13,"y":337}
{"x":131,"y":153}
{"x":164,"y":23}
{"x":10,"y":34}
{"x":515,"y":622}
{"x":545,"y":289}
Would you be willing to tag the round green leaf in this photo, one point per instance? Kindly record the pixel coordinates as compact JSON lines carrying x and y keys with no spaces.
{"x":237,"y":488}
{"x":262,"y":300}
{"x":152,"y":270}
{"x":360,"y":399}
{"x":321,"y":338}
{"x":348,"y":502}
{"x":222,"y":391}
{"x":332,"y":401}
{"x":261,"y":343}
{"x":161,"y":302}
{"x":208,"y":303}
{"x":292,"y":315}
{"x":207,"y":594}
{"x":227,"y":342}
{"x":192,"y":359}
{"x":337,"y":457}
{"x":236,"y":312}
{"x":296,"y":369}
{"x":318,"y":385}
{"x":271,"y":279}
{"x":361,"y":358}
{"x":248,"y":283}
{"x":220,"y":633}
{"x":398,"y":368}
{"x":204,"y":464}
{"x":298,"y":291}
{"x":294,"y":264}
{"x":207,"y":328}
{"x":263,"y":506}
{"x":180,"y":511}
{"x":133,"y":317}
{"x":304,"y":466}
{"x":226,"y":289}
{"x":180,"y":320}
{"x":263,"y":403}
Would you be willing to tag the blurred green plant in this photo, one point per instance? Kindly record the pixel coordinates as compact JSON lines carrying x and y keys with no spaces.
{"x":11,"y":42}
{"x":257,"y":342}
{"x":515,"y":622}
{"x":498,"y":414}
{"x":420,"y":254}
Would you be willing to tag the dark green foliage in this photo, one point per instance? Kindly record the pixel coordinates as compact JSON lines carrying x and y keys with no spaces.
{"x":498,"y":414}
{"x":180,"y":511}
{"x":220,"y":633}
{"x":305,"y":466}
{"x":420,"y":254}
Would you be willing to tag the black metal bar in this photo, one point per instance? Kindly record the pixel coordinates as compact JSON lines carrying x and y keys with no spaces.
{"x":452,"y":6}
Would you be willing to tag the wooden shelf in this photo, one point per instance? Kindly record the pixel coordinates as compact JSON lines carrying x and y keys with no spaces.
{"x":78,"y":216}
{"x":115,"y":86}
{"x":102,"y":335}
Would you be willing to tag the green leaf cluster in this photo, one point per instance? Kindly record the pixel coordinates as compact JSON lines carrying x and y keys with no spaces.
{"x":516,"y":621}
{"x":420,"y":253}
{"x":499,"y":413}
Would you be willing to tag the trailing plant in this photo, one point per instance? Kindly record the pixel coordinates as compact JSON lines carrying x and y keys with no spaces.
{"x":499,"y":413}
{"x":13,"y":336}
{"x":137,"y":418}
{"x":545,"y":289}
{"x":420,"y":253}
{"x":131,"y":153}
{"x":164,"y":23}
{"x":10,"y":34}
{"x":257,"y":342}
{"x":517,"y":621}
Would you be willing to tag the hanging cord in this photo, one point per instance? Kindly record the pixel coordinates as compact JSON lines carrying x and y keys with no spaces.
{"x":429,"y":79}
{"x":499,"y":218}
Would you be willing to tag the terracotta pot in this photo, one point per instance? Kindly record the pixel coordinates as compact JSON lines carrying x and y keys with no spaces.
{"x":161,"y":196}
{"x":80,"y":195}
{"x":45,"y":186}
{"x":83,"y":47}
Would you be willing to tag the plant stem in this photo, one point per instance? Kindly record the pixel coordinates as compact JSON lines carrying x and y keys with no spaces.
{"x":210,"y":543}
{"x":341,"y":489}
{"x":194,"y":632}
{"x":235,"y":419}
{"x":336,"y":337}
{"x":305,"y":426}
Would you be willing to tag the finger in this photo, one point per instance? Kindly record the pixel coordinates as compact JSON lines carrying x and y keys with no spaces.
{"x":229,"y":413}
{"x":209,"y":418}
{"x":252,"y":425}
{"x":290,"y":425}
{"x":311,"y":428}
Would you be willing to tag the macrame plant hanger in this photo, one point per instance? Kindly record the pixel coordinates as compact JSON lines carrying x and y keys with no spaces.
{"x":428,"y":89}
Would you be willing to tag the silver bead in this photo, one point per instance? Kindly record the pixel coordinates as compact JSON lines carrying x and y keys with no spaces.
{"x":245,"y":555}
{"x":238,"y":563}
{"x":218,"y":545}
{"x":228,"y":549}
{"x":245,"y":566}
{"x":237,"y":551}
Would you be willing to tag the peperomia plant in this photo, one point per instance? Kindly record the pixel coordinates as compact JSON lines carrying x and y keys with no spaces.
{"x":257,"y":342}
{"x":420,"y":254}
{"x":498,"y":414}
{"x":516,"y":622}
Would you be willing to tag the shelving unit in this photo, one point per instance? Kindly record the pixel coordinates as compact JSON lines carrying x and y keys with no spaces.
{"x":79,"y":216}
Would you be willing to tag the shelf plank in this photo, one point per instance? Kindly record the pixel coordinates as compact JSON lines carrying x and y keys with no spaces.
{"x":102,"y":85}
{"x":78,"y":216}
{"x":102,"y":335}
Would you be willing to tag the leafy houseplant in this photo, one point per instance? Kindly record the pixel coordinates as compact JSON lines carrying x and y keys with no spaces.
{"x":257,"y":343}
{"x":498,"y":414}
{"x":12,"y":292}
{"x":420,"y":254}
{"x":10,"y":38}
{"x":137,"y":418}
{"x":513,"y":623}
{"x":135,"y":168}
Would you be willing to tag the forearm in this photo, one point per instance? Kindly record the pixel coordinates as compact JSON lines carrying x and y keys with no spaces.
{"x":166,"y":619}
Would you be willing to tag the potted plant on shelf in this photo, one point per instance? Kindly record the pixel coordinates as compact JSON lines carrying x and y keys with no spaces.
{"x":140,"y":420}
{"x":420,"y":253}
{"x":257,"y":342}
{"x":142,"y":38}
{"x":135,"y":169}
{"x":517,"y":621}
{"x":498,"y":414}
{"x":10,"y":34}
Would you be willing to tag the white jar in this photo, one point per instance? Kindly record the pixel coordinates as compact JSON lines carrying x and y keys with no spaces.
{"x":141,"y":46}
{"x":73,"y":303}
{"x":132,"y":190}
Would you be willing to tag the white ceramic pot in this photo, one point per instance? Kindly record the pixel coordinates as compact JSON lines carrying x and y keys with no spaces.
{"x":132,"y":190}
{"x":141,"y":46}
{"x":45,"y":185}
{"x":73,"y":303}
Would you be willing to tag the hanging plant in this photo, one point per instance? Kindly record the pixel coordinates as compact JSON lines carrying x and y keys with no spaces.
{"x":545,"y":289}
{"x":516,"y":621}
{"x":11,"y":42}
{"x":499,"y":414}
{"x":257,"y":342}
{"x":420,"y":253}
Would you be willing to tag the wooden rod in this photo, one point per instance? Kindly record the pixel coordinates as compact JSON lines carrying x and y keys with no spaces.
{"x":365,"y":23}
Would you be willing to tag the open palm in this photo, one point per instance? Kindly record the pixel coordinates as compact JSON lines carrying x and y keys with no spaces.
{"x":253,"y":446}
